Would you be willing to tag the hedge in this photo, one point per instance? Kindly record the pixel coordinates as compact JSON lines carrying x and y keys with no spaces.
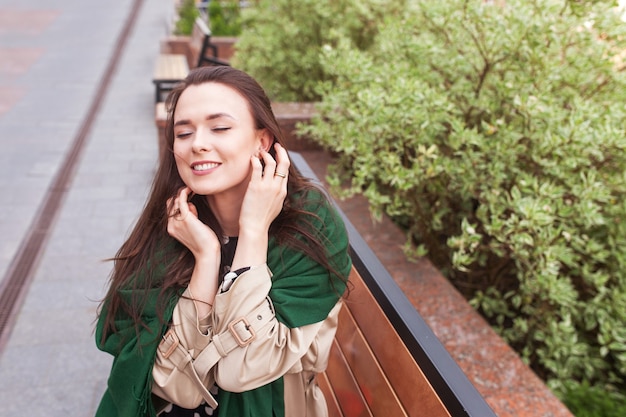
{"x":282,"y":40}
{"x":495,"y":135}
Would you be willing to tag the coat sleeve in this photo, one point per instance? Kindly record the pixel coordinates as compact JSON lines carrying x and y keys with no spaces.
{"x":273,"y":350}
{"x":170,"y":380}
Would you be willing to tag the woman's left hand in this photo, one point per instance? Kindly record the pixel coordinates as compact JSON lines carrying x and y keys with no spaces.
{"x":266,"y":191}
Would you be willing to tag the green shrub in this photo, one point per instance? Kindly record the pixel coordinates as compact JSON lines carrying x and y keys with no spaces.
{"x":225,"y":17}
{"x":496,"y":137}
{"x":282,"y":40}
{"x":187,"y":13}
{"x":586,"y":401}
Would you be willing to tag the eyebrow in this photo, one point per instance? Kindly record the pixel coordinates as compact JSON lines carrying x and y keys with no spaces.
{"x":209,"y":117}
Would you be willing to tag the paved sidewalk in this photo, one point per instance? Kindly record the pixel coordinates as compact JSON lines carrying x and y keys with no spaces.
{"x":53,"y":54}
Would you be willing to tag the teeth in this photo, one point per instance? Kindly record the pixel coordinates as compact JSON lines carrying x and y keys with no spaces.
{"x":204,"y":167}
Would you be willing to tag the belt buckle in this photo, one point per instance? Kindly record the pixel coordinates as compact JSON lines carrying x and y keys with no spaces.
{"x":170,"y":343}
{"x":238,"y":339}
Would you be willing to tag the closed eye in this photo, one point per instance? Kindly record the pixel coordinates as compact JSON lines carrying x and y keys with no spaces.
{"x":220,"y":129}
{"x":183,"y":135}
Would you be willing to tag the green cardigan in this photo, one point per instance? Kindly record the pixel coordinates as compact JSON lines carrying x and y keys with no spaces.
{"x":301,"y":293}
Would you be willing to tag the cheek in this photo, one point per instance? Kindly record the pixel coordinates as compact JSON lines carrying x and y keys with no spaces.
{"x":180,"y":151}
{"x":177,"y":147}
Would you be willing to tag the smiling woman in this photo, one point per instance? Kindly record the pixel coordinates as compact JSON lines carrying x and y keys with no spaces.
{"x":228,"y":289}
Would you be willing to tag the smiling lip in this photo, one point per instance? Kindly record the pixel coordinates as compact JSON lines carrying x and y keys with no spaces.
{"x":204,"y":167}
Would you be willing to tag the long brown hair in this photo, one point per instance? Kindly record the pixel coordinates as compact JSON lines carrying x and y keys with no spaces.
{"x":134,"y":264}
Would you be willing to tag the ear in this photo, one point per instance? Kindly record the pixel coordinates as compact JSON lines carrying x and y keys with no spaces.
{"x":265,"y":139}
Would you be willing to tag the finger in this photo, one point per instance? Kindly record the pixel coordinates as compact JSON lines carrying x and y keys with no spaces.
{"x":186,"y":194}
{"x":270,"y":165}
{"x":181,"y":203}
{"x":257,"y":168}
{"x":183,"y":193}
{"x":193,"y":209}
{"x":282,"y":161}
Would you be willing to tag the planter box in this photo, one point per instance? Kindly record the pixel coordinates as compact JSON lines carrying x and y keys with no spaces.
{"x":288,"y":115}
{"x":225,"y":46}
{"x":178,"y":45}
{"x":190,"y":47}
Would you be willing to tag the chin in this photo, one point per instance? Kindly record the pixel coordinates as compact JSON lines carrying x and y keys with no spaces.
{"x":199,"y":189}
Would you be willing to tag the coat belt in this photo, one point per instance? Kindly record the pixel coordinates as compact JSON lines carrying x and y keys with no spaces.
{"x":238,"y":334}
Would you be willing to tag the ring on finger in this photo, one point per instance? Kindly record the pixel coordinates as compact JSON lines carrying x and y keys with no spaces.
{"x":280,"y":174}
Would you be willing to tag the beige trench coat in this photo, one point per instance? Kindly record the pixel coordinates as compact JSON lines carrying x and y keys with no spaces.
{"x":220,"y":348}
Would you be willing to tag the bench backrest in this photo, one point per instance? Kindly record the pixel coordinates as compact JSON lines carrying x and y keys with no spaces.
{"x":370,"y":371}
{"x":201,"y":47}
{"x":386,"y":361}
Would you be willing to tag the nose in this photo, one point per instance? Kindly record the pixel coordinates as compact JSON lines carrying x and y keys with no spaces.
{"x":202,"y":141}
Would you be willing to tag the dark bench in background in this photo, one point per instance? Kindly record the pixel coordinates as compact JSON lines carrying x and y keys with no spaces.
{"x":385,"y":361}
{"x":201,"y":41}
{"x":172,"y":68}
{"x":168,"y":70}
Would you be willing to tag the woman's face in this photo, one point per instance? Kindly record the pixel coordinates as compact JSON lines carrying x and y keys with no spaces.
{"x":214,"y":138}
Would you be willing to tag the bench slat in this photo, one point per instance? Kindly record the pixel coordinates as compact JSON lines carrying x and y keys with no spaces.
{"x":344,"y":386}
{"x":170,"y":67}
{"x":334,"y":410}
{"x":373,"y":383}
{"x":413,"y":389}
{"x":370,"y":371}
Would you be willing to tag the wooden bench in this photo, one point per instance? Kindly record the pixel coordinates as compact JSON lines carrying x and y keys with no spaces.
{"x":202,"y":47}
{"x":172,"y":68}
{"x":385,"y":361}
{"x":169,"y":70}
{"x":370,"y":370}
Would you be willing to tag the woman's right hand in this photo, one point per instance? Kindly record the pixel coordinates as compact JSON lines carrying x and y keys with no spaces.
{"x":184,"y":225}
